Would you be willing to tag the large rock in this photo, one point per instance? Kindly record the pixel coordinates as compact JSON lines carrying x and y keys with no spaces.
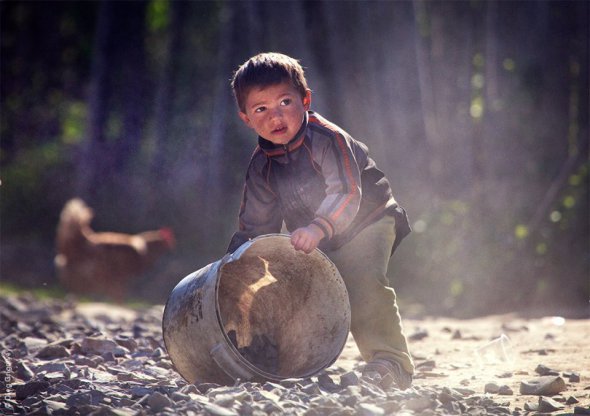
{"x":543,"y":386}
{"x":98,"y":346}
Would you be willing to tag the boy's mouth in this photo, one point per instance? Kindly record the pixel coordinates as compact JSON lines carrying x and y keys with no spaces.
{"x":280,"y":130}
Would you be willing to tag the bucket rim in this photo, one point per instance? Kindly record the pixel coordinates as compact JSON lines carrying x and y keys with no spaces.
{"x":257,"y":372}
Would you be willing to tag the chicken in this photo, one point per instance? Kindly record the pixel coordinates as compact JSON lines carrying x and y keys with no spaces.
{"x":104,"y":263}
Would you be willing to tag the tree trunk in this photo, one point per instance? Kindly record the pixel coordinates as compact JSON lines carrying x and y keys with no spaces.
{"x":94,"y":159}
{"x":131,"y":45}
{"x":427,"y":95}
{"x":221,"y":105}
{"x":166,"y":91}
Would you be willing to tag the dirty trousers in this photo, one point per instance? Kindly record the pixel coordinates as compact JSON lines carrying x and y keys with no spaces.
{"x":375,"y":320}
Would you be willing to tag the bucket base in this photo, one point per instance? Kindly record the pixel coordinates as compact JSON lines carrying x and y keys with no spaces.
{"x":279,"y":313}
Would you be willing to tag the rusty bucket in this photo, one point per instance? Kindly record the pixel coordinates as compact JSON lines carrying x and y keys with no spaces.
{"x":266,"y":312}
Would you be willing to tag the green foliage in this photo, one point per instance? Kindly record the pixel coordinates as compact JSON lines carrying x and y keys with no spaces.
{"x":158,"y":15}
{"x":29,"y":200}
{"x":44,"y":292}
{"x":472,"y":140}
{"x":74,"y":122}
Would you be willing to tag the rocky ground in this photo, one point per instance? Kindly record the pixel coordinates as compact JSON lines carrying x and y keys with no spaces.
{"x":68,"y":358}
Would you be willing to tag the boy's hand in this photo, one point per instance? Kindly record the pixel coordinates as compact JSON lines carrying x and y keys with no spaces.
{"x":307,"y":238}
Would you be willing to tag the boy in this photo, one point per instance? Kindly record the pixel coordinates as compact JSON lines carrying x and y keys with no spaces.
{"x":321,"y":182}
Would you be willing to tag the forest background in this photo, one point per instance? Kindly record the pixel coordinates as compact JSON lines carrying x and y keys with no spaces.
{"x":477,"y":111}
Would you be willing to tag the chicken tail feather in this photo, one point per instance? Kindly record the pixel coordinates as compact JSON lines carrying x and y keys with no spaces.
{"x":74,"y":217}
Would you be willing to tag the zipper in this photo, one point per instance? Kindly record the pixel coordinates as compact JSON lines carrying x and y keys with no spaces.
{"x":287,"y":152}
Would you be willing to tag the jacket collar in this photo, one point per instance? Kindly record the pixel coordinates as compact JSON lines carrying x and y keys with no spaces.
{"x":271,"y":149}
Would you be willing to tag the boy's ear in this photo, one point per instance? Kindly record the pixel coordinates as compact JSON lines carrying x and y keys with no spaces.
{"x":245,"y":119}
{"x":307,"y":100}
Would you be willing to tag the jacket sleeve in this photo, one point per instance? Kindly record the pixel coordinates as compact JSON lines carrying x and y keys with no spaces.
{"x":260,"y":212}
{"x":342,"y":176}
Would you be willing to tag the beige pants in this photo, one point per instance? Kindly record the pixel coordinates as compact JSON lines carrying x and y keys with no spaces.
{"x":376,"y":324}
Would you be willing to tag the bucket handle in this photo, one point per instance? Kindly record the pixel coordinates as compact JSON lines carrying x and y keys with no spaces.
{"x":229,"y":363}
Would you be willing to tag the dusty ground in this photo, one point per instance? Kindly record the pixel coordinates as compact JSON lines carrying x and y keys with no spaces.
{"x":72,"y":379}
{"x":560,"y":344}
{"x":445,"y":354}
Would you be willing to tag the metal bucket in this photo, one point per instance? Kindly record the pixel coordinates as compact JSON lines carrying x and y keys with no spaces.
{"x":266,"y":312}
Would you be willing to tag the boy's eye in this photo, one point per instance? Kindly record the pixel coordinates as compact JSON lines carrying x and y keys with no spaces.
{"x":259,"y":109}
{"x":286,"y":101}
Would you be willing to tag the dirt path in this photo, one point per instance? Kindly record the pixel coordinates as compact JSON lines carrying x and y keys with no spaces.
{"x":95,"y":358}
{"x":445,"y":353}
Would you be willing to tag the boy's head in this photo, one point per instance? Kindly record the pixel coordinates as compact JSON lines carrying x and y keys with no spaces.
{"x":264,"y":70}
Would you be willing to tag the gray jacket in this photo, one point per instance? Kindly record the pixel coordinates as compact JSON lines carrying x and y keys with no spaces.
{"x":322,"y":176}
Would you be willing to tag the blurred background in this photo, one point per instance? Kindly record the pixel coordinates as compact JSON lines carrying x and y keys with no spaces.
{"x":477,"y":111}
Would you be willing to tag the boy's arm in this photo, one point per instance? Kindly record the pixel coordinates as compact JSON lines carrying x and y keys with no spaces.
{"x":342,"y":176}
{"x":259,"y":211}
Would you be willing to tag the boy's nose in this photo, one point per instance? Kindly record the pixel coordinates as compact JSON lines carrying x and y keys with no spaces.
{"x":276,"y":113}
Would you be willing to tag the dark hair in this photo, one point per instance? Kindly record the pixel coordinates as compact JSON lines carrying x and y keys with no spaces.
{"x":266,"y":69}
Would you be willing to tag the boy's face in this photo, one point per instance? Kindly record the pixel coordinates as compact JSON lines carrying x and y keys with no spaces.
{"x":275,"y":112}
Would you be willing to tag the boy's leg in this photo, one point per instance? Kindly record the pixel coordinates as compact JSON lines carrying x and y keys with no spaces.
{"x":375,"y":322}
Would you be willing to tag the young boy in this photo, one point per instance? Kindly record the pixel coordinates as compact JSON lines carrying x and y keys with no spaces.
{"x":311,"y":174}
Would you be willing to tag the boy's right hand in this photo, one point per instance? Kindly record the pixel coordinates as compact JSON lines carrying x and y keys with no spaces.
{"x":307,"y":238}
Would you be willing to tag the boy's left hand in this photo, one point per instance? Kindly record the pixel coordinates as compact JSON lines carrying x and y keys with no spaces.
{"x":307,"y":238}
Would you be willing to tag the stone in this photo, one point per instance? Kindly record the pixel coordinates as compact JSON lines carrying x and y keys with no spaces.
{"x":31,"y":388}
{"x":547,"y":405}
{"x":464,"y":391}
{"x":51,"y":352}
{"x":447,"y":395}
{"x":349,"y":379}
{"x":290,"y":382}
{"x":578,"y":410}
{"x":571,"y":400}
{"x":88,"y":361}
{"x":54,"y":406}
{"x":140,"y":391}
{"x":390,"y":406}
{"x":54,"y":368}
{"x":273,"y":408}
{"x":325,"y":382}
{"x":180,"y":397}
{"x":572,"y":377}
{"x":225,"y":400}
{"x":349,"y":400}
{"x":368,"y":409}
{"x":23,"y":372}
{"x":420,"y":404}
{"x":216,"y":410}
{"x":54,"y":377}
{"x":543,"y":370}
{"x":311,"y":388}
{"x":127,"y":342}
{"x":97,"y":346}
{"x":418,"y":335}
{"x":79,"y":399}
{"x":543,"y":386}
{"x":157,"y":401}
{"x":372,"y":388}
{"x":33,"y":344}
{"x":426,"y":365}
{"x":505,"y":390}
{"x":120,"y":351}
{"x":491,"y":388}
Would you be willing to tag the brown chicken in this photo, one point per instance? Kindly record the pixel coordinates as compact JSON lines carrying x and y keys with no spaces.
{"x":93,"y":263}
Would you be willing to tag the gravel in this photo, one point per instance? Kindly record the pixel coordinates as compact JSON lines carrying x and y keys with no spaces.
{"x":58,"y":361}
